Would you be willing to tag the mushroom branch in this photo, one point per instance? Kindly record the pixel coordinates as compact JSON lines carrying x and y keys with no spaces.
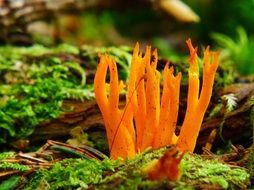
{"x":197,"y":105}
{"x":118,"y":122}
{"x":149,"y":116}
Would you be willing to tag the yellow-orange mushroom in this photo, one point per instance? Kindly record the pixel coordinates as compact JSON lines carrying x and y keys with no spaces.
{"x":168,"y":109}
{"x":149,"y":117}
{"x":197,"y":105}
{"x":119,"y":127}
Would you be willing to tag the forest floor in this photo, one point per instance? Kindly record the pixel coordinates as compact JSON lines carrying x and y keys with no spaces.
{"x":53,"y":137}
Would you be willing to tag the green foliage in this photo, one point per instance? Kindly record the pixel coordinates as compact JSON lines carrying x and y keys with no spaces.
{"x":34,"y":83}
{"x":5,"y":165}
{"x":71,"y":173}
{"x":231,"y":102}
{"x":237,"y":53}
{"x":193,"y":167}
{"x":221,"y":17}
{"x":17,"y":53}
{"x":83,"y":173}
{"x":13,"y":166}
{"x":10,"y":183}
{"x":5,"y":155}
{"x":39,"y":102}
{"x":75,"y":173}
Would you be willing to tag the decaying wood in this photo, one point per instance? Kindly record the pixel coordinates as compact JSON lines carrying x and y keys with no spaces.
{"x":235,"y":124}
{"x":87,"y":115}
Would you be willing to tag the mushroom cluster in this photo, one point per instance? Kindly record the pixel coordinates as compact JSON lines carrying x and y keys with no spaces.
{"x":149,"y":116}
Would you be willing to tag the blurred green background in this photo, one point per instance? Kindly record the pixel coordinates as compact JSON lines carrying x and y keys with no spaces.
{"x":224,"y":25}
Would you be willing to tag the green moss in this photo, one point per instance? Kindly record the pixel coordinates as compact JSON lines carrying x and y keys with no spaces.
{"x":10,"y":183}
{"x":13,"y":166}
{"x":194,"y":168}
{"x":5,"y":155}
{"x":13,"y":52}
{"x":34,"y":82}
{"x":31,"y":104}
{"x":115,"y":174}
{"x":5,"y":165}
{"x":74,"y":173}
{"x":71,"y":173}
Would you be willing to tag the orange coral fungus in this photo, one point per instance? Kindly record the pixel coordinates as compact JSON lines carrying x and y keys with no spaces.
{"x":148,"y":120}
{"x":197,"y":105}
{"x":119,"y":123}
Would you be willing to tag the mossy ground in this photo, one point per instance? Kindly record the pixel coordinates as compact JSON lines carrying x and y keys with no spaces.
{"x":116,"y":174}
{"x":43,"y":79}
